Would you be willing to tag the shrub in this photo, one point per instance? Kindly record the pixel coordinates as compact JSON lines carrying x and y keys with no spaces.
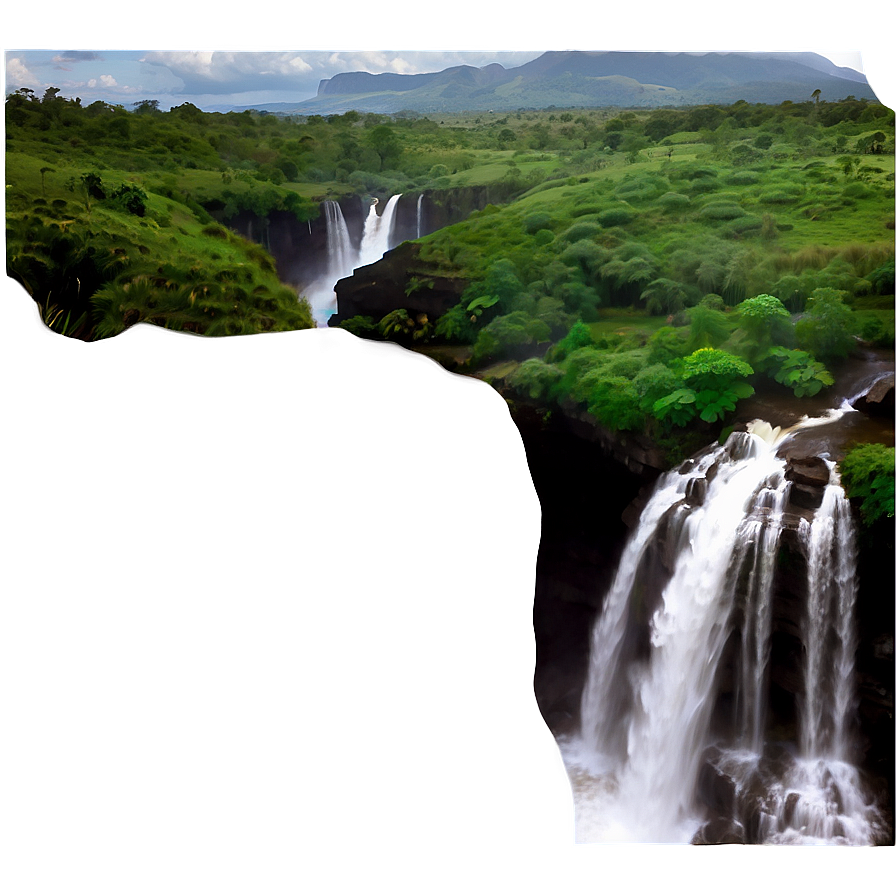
{"x":614,"y":401}
{"x":582,"y":230}
{"x":361,"y":325}
{"x":765,"y":320}
{"x":718,"y":379}
{"x":579,"y":336}
{"x":535,"y":378}
{"x":867,"y":474}
{"x":826,"y":329}
{"x":797,"y":370}
{"x":670,"y":201}
{"x":742,"y":178}
{"x":537,"y":221}
{"x":721,"y":211}
{"x":615,"y":217}
{"x":882,"y":278}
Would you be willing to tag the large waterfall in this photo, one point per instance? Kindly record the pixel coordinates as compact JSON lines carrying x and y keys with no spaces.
{"x":660,"y":756}
{"x":343,"y":255}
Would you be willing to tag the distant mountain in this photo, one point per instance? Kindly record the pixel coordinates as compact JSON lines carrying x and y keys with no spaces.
{"x":578,"y":78}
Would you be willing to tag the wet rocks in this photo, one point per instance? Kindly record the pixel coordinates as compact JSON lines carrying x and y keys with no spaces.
{"x":878,"y":401}
{"x":809,"y":476}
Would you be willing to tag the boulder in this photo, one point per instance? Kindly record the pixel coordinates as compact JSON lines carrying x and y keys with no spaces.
{"x":878,"y":401}
{"x":808,"y":477}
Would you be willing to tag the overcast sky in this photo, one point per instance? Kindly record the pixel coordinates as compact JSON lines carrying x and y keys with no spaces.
{"x":239,"y":78}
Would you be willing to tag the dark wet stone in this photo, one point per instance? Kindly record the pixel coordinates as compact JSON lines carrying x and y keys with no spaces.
{"x":878,"y":401}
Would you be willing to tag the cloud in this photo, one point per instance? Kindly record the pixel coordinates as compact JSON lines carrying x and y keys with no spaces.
{"x":77,"y":56}
{"x":103,"y":81}
{"x":219,"y":73}
{"x":18,"y":75}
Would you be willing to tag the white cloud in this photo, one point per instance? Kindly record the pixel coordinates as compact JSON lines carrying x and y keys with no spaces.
{"x":18,"y":75}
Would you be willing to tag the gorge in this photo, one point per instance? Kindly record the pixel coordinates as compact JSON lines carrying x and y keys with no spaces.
{"x":720,"y":686}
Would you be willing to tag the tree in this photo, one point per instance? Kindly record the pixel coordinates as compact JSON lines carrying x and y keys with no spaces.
{"x":827,"y":329}
{"x":146,"y":106}
{"x":765,"y":320}
{"x":384,"y":143}
{"x":708,"y":327}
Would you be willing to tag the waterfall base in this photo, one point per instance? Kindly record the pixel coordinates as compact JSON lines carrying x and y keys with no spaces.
{"x":677,"y":739}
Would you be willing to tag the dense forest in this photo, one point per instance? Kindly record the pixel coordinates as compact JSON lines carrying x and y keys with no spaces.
{"x":651,"y":267}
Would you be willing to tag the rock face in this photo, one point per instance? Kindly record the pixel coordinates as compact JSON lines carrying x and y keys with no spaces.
{"x":878,"y":401}
{"x":397,"y":280}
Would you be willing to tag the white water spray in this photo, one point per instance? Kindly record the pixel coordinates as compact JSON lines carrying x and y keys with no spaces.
{"x":645,"y":720}
{"x":343,"y":257}
{"x":378,"y":232}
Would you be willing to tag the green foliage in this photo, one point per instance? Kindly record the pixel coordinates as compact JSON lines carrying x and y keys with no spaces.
{"x":130,"y":198}
{"x":665,"y":296}
{"x":455,"y":326}
{"x":882,"y":278}
{"x":508,"y":333}
{"x":579,"y":336}
{"x":535,"y":378}
{"x":797,"y":370}
{"x":828,"y":327}
{"x":362,"y":326}
{"x":615,"y":217}
{"x":667,"y":344}
{"x":721,"y":211}
{"x":708,"y":327}
{"x":710,"y":368}
{"x":867,"y":474}
{"x":397,"y":325}
{"x":765,"y":320}
{"x":679,"y":407}
{"x":614,"y":401}
{"x":652,"y":383}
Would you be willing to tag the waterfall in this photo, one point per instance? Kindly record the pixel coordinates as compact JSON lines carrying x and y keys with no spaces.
{"x":419,"y":216}
{"x":701,"y":566}
{"x":378,"y":231}
{"x":343,"y":258}
{"x":340,"y":253}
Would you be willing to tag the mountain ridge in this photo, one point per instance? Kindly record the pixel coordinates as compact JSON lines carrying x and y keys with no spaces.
{"x":578,"y":78}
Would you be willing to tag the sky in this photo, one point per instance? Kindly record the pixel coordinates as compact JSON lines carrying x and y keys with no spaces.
{"x":208,"y":79}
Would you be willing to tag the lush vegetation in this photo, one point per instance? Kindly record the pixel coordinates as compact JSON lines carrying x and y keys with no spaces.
{"x":650,"y":267}
{"x":867,"y":473}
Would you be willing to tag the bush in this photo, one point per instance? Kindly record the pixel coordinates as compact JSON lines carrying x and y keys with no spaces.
{"x":765,"y":320}
{"x":362,"y":326}
{"x":614,"y":401}
{"x":615,"y":217}
{"x":882,"y":278}
{"x":721,"y":211}
{"x":583,"y":230}
{"x":670,"y":201}
{"x":867,"y":474}
{"x":536,"y":221}
{"x":579,"y":336}
{"x":535,"y":378}
{"x":827,"y":328}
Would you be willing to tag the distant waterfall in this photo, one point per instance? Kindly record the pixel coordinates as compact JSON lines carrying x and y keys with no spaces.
{"x":700,"y":565}
{"x":340,"y":253}
{"x":419,"y":216}
{"x":378,"y":232}
{"x":343,"y":258}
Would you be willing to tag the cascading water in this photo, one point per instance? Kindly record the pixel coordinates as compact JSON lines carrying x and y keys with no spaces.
{"x":343,"y":257}
{"x":378,"y":231}
{"x":695,"y":585}
{"x":419,"y":216}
